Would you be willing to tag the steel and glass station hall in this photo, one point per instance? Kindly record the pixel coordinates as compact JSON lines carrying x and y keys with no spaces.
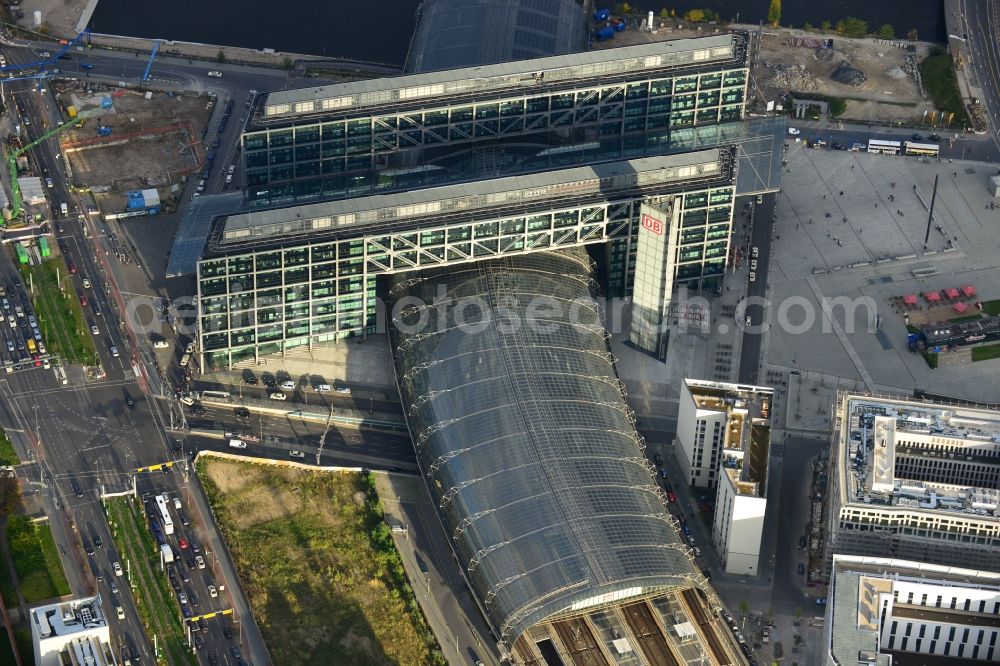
{"x":523,"y":167}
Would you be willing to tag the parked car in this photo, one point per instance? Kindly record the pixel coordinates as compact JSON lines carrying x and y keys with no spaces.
{"x":793,"y":131}
{"x":297,"y":454}
{"x":215,"y":74}
{"x":278,"y":395}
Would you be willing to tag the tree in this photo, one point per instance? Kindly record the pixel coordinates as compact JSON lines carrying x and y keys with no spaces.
{"x":912,"y":35}
{"x":287,"y":63}
{"x":10,"y":495}
{"x":744,"y":608}
{"x":887,"y":32}
{"x":808,"y":27}
{"x":220,"y":56}
{"x":798,"y":613}
{"x":825,"y":26}
{"x":664,"y":13}
{"x":774,"y":13}
{"x":694,"y":15}
{"x":852,"y":27}
{"x":797,"y":639}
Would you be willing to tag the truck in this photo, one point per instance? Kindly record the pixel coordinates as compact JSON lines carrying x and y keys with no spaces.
{"x":167,"y":553}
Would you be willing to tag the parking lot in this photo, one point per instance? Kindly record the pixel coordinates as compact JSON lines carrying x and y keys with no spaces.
{"x":23,"y":345}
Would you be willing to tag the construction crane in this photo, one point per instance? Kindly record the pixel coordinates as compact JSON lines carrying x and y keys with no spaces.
{"x":149,"y":64}
{"x":13,"y":155}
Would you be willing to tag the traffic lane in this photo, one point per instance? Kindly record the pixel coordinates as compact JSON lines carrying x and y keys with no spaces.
{"x":306,"y":396}
{"x":95,"y":524}
{"x":288,"y":426}
{"x":760,"y":242}
{"x":191,"y":576}
{"x":385,"y":455}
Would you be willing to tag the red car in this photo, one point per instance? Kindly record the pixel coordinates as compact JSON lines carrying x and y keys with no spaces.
{"x":83,"y":301}
{"x":72,"y":269}
{"x":671,"y":497}
{"x":182,"y":542}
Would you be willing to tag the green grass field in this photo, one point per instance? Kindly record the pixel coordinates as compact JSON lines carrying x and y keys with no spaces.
{"x":329,"y":587}
{"x":158,"y":609}
{"x":992,"y":308}
{"x":24,"y":645}
{"x":938,"y":75}
{"x":985,"y":353}
{"x":60,"y":315}
{"x":36,"y":560}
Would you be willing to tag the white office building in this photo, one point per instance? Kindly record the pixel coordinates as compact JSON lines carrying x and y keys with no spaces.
{"x":71,"y":632}
{"x":723,"y":441}
{"x":883,"y":611}
{"x":914,"y":480}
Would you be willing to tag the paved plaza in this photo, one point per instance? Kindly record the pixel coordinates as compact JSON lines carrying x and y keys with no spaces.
{"x":877,"y":254}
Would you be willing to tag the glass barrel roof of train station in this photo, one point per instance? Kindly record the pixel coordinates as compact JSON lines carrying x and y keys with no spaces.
{"x":525,"y":439}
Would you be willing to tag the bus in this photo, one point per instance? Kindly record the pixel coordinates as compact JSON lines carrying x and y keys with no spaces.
{"x":168,"y":523}
{"x":884,"y":147}
{"x":218,"y":395}
{"x":928,"y":149}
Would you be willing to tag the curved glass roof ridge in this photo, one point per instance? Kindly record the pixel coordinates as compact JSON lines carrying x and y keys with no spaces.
{"x":525,"y":439}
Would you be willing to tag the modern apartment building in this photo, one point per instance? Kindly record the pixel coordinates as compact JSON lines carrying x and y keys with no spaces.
{"x":723,"y":441}
{"x":881,"y":611}
{"x":914,"y":480}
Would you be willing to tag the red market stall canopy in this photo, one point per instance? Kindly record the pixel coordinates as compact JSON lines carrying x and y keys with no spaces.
{"x":910,"y":299}
{"x":932,"y":296}
{"x":960,"y":307}
{"x":951,"y":292}
{"x":969,"y":290}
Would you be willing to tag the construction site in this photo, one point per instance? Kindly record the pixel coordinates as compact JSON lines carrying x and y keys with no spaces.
{"x":129,"y":140}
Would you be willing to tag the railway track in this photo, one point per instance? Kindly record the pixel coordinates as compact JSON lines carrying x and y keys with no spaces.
{"x":701,"y":618}
{"x":579,"y":643}
{"x":652,"y":643}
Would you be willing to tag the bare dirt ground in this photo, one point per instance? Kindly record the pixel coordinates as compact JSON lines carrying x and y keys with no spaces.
{"x":793,"y":61}
{"x":154,"y":142}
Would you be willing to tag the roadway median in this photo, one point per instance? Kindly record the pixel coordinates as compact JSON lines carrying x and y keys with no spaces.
{"x":344,"y":418}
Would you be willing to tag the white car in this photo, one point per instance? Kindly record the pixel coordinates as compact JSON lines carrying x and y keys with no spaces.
{"x":793,"y":131}
{"x":86,"y":283}
{"x":278,"y":395}
{"x":160,"y":344}
{"x":48,"y":182}
{"x":343,"y":389}
{"x":201,"y":562}
{"x":297,"y":454}
{"x":215,"y":74}
{"x":121,"y":612}
{"x":95,"y":330}
{"x":114,"y":352}
{"x":117,"y":567}
{"x":322,"y":388}
{"x":212,"y":592}
{"x":288,"y":385}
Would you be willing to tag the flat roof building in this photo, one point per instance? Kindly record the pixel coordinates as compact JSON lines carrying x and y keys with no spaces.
{"x":723,"y":441}
{"x":885,"y":612}
{"x":916,"y":480}
{"x":71,"y":632}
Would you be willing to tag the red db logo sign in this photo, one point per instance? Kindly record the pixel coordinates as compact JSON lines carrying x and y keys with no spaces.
{"x":652,"y":224}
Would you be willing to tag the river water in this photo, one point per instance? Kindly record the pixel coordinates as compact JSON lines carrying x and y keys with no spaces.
{"x":380,"y":30}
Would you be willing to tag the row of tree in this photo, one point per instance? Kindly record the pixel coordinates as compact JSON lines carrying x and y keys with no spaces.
{"x":848,"y":27}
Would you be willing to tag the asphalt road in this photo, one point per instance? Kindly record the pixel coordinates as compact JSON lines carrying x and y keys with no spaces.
{"x":757,"y":257}
{"x":982,"y":22}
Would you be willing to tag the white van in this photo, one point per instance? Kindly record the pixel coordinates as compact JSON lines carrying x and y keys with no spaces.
{"x":185,"y":360}
{"x":237,"y":444}
{"x":177,"y":503}
{"x":64,"y":208}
